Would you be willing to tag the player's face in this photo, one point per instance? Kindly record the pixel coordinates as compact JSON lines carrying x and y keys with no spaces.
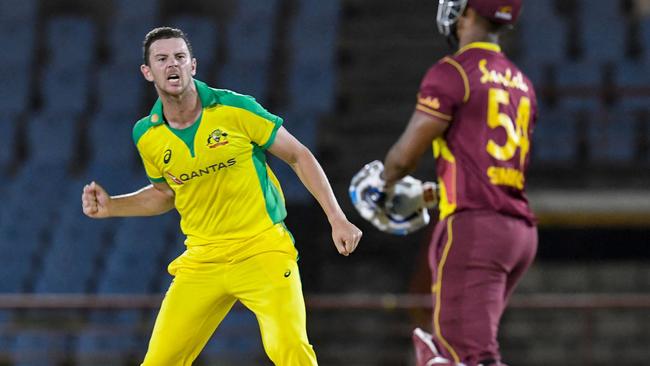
{"x":170,"y":66}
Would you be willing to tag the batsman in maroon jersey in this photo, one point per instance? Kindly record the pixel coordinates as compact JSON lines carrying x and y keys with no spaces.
{"x":477,"y":110}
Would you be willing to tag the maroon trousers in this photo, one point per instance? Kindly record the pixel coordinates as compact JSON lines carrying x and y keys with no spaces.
{"x":476,"y":260}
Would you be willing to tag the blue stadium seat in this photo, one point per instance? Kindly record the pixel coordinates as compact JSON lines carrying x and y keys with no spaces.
{"x":132,"y":21}
{"x":537,"y":72}
{"x":603,"y":39}
{"x":579,"y":84}
{"x":40,"y":347}
{"x":111,"y":138}
{"x":312,"y":87}
{"x":7,"y":340}
{"x":22,"y":10}
{"x":315,"y":28}
{"x":125,"y":40}
{"x":137,"y":10}
{"x":15,"y":99}
{"x":236,"y":339}
{"x":633,"y":80}
{"x":133,"y":262}
{"x":28,"y":211}
{"x":71,"y":40}
{"x":103,"y":347}
{"x":76,"y":248}
{"x":66,"y":88}
{"x":246,"y":77}
{"x":313,"y":37}
{"x":52,"y":138}
{"x":644,"y":35}
{"x":612,"y":136}
{"x":19,"y":38}
{"x":9,"y":123}
{"x":249,"y":42}
{"x":26,"y":190}
{"x":542,"y":34}
{"x":602,"y":30}
{"x":5,"y":318}
{"x":121,"y":87}
{"x":555,"y":137}
{"x":116,"y":178}
{"x":18,"y":246}
{"x":202,"y":32}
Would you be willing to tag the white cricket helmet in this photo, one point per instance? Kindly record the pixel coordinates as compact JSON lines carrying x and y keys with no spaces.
{"x":401,"y":211}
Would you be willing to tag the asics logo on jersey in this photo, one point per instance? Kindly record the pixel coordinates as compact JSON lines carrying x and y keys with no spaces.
{"x":182,"y":178}
{"x":168,"y":156}
{"x":217,"y":138}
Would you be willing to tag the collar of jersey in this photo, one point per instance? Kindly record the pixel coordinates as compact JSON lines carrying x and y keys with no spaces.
{"x":208,"y":98}
{"x":482,"y":45}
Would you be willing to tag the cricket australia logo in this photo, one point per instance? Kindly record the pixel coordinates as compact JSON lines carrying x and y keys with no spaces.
{"x":217,"y":138}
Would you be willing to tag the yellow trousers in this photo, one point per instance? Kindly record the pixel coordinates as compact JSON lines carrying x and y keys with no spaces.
{"x":210,"y":279}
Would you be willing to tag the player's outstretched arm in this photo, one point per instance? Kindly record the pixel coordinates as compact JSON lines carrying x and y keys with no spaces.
{"x":154,"y":199}
{"x":346,"y":235}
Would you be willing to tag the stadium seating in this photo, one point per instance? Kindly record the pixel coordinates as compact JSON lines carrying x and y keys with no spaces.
{"x":542,"y":33}
{"x":40,"y":347}
{"x":580,"y":84}
{"x":555,"y":137}
{"x":71,"y":40}
{"x":645,"y":37}
{"x":237,"y":340}
{"x":602,"y":30}
{"x":75,"y":246}
{"x":121,"y":88}
{"x":101,"y":347}
{"x":14,"y":98}
{"x":9,"y":123}
{"x":19,"y":38}
{"x":313,"y":49}
{"x":202,"y":32}
{"x":18,"y":246}
{"x":52,"y":137}
{"x":633,"y":81}
{"x":249,"y":43}
{"x":110,"y":139}
{"x":613,"y":136}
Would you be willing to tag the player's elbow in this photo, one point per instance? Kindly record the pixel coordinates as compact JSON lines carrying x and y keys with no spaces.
{"x":300,"y":155}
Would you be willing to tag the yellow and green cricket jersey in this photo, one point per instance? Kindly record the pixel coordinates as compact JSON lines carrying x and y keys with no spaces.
{"x":225,"y":191}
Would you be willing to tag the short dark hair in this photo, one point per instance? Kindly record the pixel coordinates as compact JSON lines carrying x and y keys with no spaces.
{"x":163,"y":33}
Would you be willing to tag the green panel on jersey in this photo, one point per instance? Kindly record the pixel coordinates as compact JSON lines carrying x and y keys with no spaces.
{"x":232,"y":99}
{"x":140,"y":128}
{"x":156,"y":180}
{"x":187,"y":134}
{"x":273,"y":199}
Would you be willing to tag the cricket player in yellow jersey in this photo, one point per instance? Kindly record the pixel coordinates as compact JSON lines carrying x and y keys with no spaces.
{"x":204,"y":152}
